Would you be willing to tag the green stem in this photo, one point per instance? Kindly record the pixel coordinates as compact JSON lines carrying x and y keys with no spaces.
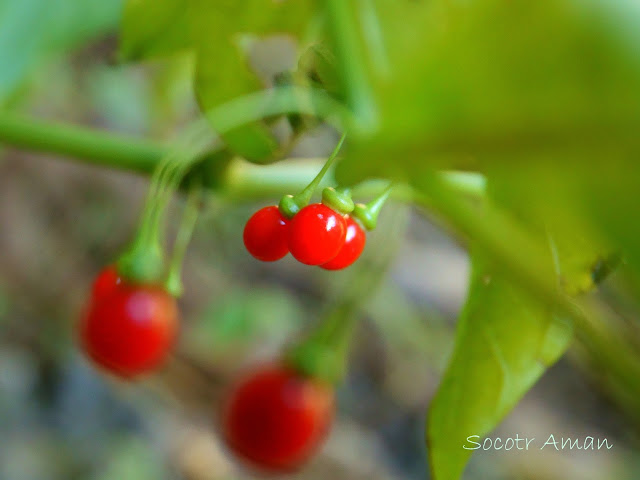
{"x":306,"y":194}
{"x":323,"y":354}
{"x":92,"y":146}
{"x":292,"y":204}
{"x":142,"y":156}
{"x":185,"y":231}
{"x":241,"y":180}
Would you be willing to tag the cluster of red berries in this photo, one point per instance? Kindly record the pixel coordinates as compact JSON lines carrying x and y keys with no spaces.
{"x":316,"y":235}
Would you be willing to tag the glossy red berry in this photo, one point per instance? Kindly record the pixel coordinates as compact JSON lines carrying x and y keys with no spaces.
{"x":106,"y":282}
{"x":352,"y":248}
{"x":130,"y":330}
{"x":316,"y":234}
{"x":275,"y":419}
{"x":266,"y":234}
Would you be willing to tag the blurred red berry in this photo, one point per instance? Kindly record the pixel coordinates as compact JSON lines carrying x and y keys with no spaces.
{"x":130,"y":330}
{"x":275,"y":419}
{"x":106,"y":282}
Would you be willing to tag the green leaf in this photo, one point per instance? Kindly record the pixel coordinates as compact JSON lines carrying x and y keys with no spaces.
{"x":472,"y":80}
{"x":218,"y":33}
{"x":505,"y":341}
{"x":32,"y":29}
{"x":222,"y":69}
{"x":152,"y":28}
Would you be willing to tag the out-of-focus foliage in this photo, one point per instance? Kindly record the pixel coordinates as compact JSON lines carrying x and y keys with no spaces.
{"x":32,"y":29}
{"x":132,"y":459}
{"x":472,"y":81}
{"x":220,"y":34}
{"x":165,"y":29}
{"x":234,"y":326}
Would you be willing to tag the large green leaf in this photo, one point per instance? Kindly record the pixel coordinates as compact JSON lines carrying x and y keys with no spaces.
{"x":471,"y":80}
{"x":32,"y":29}
{"x":505,"y":341}
{"x":152,"y":28}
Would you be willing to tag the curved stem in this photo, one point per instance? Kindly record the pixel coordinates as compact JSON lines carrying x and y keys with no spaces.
{"x":185,"y":231}
{"x":305,"y":195}
{"x":292,"y":204}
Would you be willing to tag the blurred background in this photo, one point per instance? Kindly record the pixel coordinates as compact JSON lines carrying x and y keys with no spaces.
{"x":62,"y":221}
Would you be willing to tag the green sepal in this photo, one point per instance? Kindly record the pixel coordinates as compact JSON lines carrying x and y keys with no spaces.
{"x":289,"y":206}
{"x":317,"y":360}
{"x":338,"y":200}
{"x":143,"y":263}
{"x":363,"y":214}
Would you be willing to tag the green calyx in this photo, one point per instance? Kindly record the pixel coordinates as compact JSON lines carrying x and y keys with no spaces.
{"x":318,"y":361}
{"x":368,"y":213}
{"x":143,"y":263}
{"x":365,"y":216}
{"x":338,"y":199}
{"x":291,"y":204}
{"x":323,"y":354}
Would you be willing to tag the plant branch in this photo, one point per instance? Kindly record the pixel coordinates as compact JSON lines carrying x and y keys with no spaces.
{"x":242,"y":180}
{"x":89,"y":145}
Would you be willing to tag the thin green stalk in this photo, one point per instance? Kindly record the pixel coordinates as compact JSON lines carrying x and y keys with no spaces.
{"x":305,"y":195}
{"x":185,"y":231}
{"x":292,"y":204}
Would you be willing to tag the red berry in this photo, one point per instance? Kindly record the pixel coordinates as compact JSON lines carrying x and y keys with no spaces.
{"x":266,"y":234}
{"x":352,"y":248}
{"x":130,"y":331}
{"x":276,"y":419}
{"x":106,"y":282}
{"x":316,"y":235}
